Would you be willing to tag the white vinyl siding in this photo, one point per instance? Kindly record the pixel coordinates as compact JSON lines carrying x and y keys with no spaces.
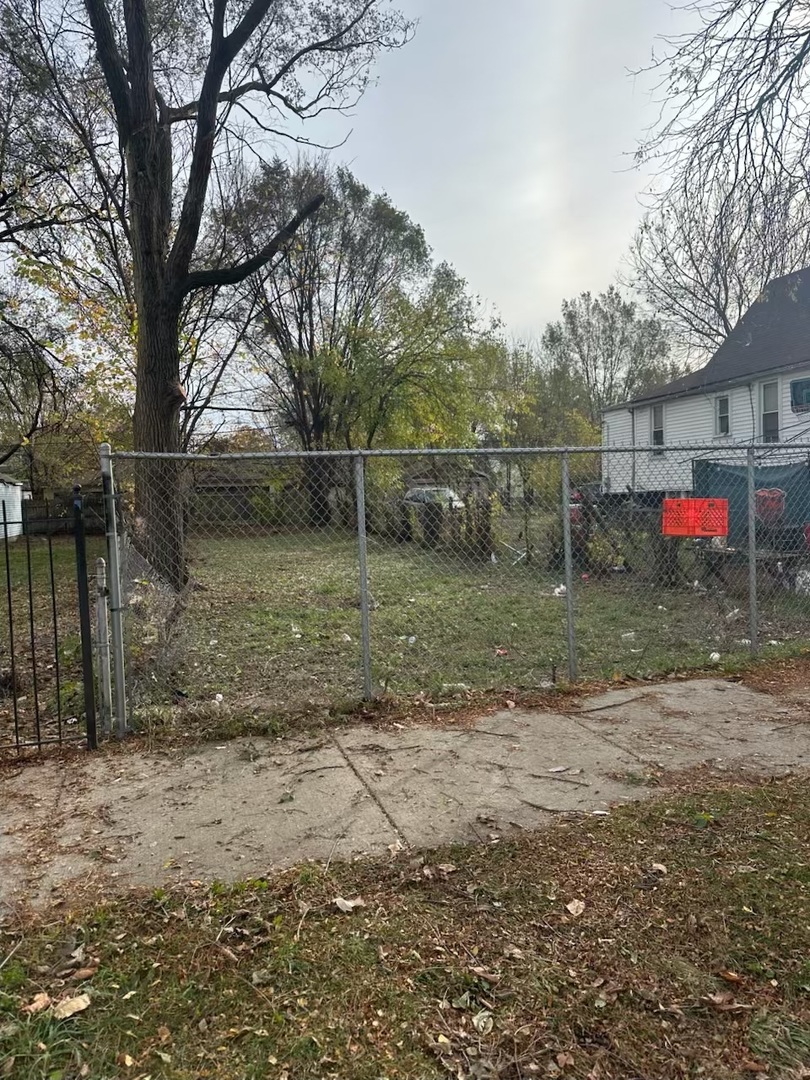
{"x":617,"y":430}
{"x":686,"y":420}
{"x":692,"y":420}
{"x":11,"y":497}
{"x":744,"y":412}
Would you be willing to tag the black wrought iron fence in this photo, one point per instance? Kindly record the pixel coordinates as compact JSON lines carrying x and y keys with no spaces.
{"x":46,"y":660}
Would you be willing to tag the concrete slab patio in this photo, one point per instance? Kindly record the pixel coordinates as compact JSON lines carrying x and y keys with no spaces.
{"x":246,"y":807}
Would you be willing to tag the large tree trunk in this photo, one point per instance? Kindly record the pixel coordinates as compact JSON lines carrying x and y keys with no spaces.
{"x":158,"y":499}
{"x":318,"y":480}
{"x":156,"y":427}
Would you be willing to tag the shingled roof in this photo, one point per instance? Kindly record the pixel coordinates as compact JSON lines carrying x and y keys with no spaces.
{"x":773,"y":334}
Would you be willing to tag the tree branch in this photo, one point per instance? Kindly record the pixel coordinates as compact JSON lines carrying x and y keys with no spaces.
{"x":111,"y":64}
{"x":232,"y":275}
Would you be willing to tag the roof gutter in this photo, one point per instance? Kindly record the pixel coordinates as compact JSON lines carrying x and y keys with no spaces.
{"x":712,"y":387}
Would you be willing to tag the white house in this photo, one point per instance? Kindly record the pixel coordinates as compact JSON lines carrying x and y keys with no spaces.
{"x":756,"y":388}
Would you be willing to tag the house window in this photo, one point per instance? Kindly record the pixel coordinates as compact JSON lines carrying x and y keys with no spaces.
{"x":722,"y":417}
{"x":770,"y":412}
{"x":658,"y":427}
{"x":800,"y":395}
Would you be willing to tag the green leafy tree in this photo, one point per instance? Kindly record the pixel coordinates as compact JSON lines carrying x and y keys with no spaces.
{"x":362,"y":340}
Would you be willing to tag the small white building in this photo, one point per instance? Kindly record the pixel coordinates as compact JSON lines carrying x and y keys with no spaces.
{"x":756,"y":388}
{"x":11,"y":500}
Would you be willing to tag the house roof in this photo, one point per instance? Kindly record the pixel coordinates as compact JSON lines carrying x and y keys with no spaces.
{"x":773,"y":334}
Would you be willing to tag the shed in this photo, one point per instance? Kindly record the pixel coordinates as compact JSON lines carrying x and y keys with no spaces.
{"x":11,"y":512}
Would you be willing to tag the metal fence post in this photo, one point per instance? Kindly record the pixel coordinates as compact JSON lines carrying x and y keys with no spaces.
{"x":83,"y":587}
{"x":752,"y":555}
{"x":362,"y":558}
{"x":569,"y":567}
{"x":103,"y":647}
{"x":114,"y":587}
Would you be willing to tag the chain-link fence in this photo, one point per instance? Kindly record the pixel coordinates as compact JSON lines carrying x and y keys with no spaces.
{"x":299,"y":583}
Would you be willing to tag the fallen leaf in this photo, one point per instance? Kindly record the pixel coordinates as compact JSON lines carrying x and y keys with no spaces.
{"x":501,"y":652}
{"x":755,"y":1067}
{"x":489,"y":976}
{"x":128,"y":995}
{"x":70,"y":1006}
{"x":730,"y":976}
{"x":564,"y":1060}
{"x":511,"y":704}
{"x":483,"y":1022}
{"x":164,"y":1034}
{"x":39,"y":1002}
{"x":447,"y":868}
{"x":348,"y":906}
{"x":659,"y":868}
{"x":84,"y":973}
{"x":164,"y":1057}
{"x":576,"y":907}
{"x":444,"y":1044}
{"x":725,"y":1003}
{"x":125,"y":1060}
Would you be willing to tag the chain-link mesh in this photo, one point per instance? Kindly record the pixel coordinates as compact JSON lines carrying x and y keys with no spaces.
{"x":241,"y":584}
{"x":244,"y":592}
{"x":465,"y":554}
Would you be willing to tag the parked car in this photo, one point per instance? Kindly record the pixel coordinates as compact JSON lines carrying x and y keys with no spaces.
{"x":437,"y":496}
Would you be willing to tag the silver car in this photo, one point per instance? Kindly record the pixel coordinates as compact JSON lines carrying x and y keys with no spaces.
{"x":439,"y":496}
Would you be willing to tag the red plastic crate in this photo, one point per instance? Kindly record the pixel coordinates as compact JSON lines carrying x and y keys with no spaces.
{"x":695,"y":517}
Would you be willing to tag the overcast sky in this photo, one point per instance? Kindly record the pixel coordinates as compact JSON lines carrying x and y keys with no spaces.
{"x":506,"y":130}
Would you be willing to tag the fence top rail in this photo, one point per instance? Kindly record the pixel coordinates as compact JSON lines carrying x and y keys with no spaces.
{"x":716,"y":450}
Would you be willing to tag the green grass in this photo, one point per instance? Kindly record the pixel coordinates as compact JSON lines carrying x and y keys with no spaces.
{"x":688,"y":959}
{"x":275,"y":629}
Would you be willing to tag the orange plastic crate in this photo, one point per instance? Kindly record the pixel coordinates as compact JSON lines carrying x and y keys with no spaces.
{"x":695,"y":517}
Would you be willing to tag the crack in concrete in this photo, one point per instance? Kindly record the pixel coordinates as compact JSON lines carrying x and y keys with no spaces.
{"x":371,"y":793}
{"x":607,"y":739}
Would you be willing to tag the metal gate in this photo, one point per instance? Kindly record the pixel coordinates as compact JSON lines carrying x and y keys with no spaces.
{"x":46,"y":648}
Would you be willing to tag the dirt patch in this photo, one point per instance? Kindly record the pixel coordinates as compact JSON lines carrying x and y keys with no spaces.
{"x":782,"y":678}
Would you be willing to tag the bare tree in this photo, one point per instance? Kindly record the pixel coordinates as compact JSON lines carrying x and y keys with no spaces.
{"x":156,"y":99}
{"x":733,"y":142}
{"x":701,"y":258}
